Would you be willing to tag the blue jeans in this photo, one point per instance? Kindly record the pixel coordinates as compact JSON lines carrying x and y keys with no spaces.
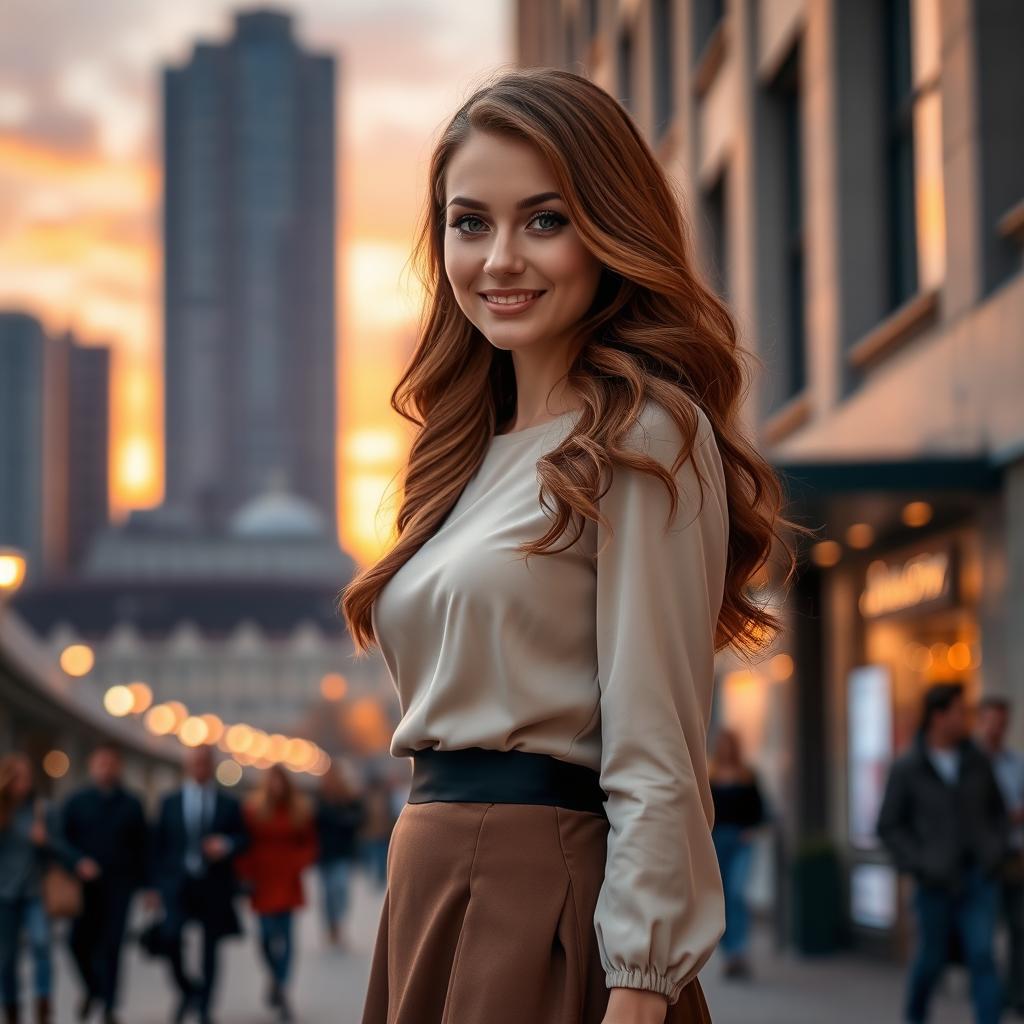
{"x":335,"y":876}
{"x":276,"y":937}
{"x":734,"y":858}
{"x":26,"y":915}
{"x":974,"y":913}
{"x":375,"y":857}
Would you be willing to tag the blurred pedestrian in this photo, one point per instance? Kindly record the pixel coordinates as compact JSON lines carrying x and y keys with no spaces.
{"x":1008,"y":765}
{"x":29,"y":837}
{"x":377,"y":827}
{"x":944,"y":822}
{"x":198,"y":834}
{"x":105,"y":828}
{"x":739,"y":809}
{"x":282,"y":844}
{"x":340,"y":814}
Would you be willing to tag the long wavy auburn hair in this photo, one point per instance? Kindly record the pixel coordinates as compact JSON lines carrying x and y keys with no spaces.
{"x":655,"y":330}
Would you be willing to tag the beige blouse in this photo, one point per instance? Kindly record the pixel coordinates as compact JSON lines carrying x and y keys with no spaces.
{"x":604,"y":662}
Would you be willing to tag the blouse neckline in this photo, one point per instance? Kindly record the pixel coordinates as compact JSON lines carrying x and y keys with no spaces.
{"x":530,"y":432}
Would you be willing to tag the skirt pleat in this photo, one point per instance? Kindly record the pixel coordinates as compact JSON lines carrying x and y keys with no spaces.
{"x":488,"y":919}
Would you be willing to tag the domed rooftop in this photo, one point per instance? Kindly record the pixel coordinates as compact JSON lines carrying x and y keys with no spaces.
{"x":278,"y":513}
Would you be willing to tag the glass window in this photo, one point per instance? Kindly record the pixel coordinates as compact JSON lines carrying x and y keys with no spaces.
{"x":916,"y":212}
{"x":662,"y":20}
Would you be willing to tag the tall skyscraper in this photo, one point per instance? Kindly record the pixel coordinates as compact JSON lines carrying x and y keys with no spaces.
{"x":249,"y":235}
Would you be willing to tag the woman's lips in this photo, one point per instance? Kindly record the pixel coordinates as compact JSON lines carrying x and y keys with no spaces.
{"x":511,"y":308}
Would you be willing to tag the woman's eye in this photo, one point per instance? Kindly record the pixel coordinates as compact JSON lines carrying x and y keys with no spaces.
{"x":556,"y":217}
{"x":459,"y":224}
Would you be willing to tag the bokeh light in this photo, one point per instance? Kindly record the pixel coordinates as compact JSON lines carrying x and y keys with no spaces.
{"x":161,"y":720}
{"x":229,"y":773}
{"x":118,"y":701}
{"x":12,"y":570}
{"x":333,"y":686}
{"x":56,"y":764}
{"x":917,"y":513}
{"x":193,"y":732}
{"x":826,"y":553}
{"x":77,"y":660}
{"x":142,"y":697}
{"x":214,"y":728}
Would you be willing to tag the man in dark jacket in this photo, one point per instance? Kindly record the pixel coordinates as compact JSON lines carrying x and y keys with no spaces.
{"x":944,"y":822}
{"x":198,"y":834}
{"x":105,"y":828}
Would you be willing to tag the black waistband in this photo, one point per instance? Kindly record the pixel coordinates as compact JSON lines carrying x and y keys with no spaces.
{"x":504,"y":777}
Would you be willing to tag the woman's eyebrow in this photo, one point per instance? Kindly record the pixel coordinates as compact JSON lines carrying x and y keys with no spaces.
{"x":475,"y":204}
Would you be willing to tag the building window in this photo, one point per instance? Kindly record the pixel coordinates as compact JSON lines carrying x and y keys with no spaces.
{"x":713,"y":207}
{"x":706,"y":16}
{"x":782,"y":213}
{"x":915,"y":209}
{"x":662,"y":21}
{"x":625,"y":67}
{"x":999,"y":29}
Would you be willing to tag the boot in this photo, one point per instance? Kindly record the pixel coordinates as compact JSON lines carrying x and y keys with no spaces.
{"x":43,"y":1010}
{"x":11,"y":1013}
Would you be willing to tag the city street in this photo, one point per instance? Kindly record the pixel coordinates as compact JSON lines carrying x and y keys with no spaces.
{"x":329,"y":986}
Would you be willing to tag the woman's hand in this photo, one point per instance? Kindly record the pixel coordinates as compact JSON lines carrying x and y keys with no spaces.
{"x":635,"y":1006}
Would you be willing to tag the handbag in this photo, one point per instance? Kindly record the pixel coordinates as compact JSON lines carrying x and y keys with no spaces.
{"x":62,"y":892}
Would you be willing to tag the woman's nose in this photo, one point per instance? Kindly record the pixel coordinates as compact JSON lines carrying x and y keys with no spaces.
{"x":504,"y":257}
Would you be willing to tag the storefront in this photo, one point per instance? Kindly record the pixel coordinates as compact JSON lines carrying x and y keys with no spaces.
{"x":901,"y":590}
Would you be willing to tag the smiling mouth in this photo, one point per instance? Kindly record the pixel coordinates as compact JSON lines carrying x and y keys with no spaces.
{"x":511,"y":301}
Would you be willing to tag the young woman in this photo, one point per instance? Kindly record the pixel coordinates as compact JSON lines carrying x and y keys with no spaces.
{"x":739,"y":809}
{"x":29,"y":834}
{"x":581,"y":516}
{"x":340,"y":813}
{"x":282,"y":835}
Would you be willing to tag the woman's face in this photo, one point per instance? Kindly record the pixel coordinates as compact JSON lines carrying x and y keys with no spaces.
{"x":277,"y":786}
{"x":491,"y":244}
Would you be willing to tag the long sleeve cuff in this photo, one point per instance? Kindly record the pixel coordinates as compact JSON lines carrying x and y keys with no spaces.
{"x":649,"y":979}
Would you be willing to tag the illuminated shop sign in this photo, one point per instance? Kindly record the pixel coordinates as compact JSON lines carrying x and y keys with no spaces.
{"x":923,"y":580}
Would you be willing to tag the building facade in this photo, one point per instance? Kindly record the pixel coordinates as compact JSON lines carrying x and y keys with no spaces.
{"x":54,"y":440}
{"x":852,"y":174}
{"x":22,"y":437}
{"x":249,"y":297}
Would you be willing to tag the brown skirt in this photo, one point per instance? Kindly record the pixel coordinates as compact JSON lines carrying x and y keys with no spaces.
{"x":488,"y":919}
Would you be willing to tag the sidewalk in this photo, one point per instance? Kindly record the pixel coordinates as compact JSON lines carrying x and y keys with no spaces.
{"x":843,"y":989}
{"x":329,"y":986}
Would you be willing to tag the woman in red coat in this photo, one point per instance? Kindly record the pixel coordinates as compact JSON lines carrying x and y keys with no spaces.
{"x":283,"y":844}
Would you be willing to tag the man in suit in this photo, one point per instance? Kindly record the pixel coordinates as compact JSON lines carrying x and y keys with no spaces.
{"x":105,"y":830}
{"x":198,"y":834}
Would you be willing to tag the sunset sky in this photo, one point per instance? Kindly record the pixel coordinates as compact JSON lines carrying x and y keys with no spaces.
{"x":81,"y":187}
